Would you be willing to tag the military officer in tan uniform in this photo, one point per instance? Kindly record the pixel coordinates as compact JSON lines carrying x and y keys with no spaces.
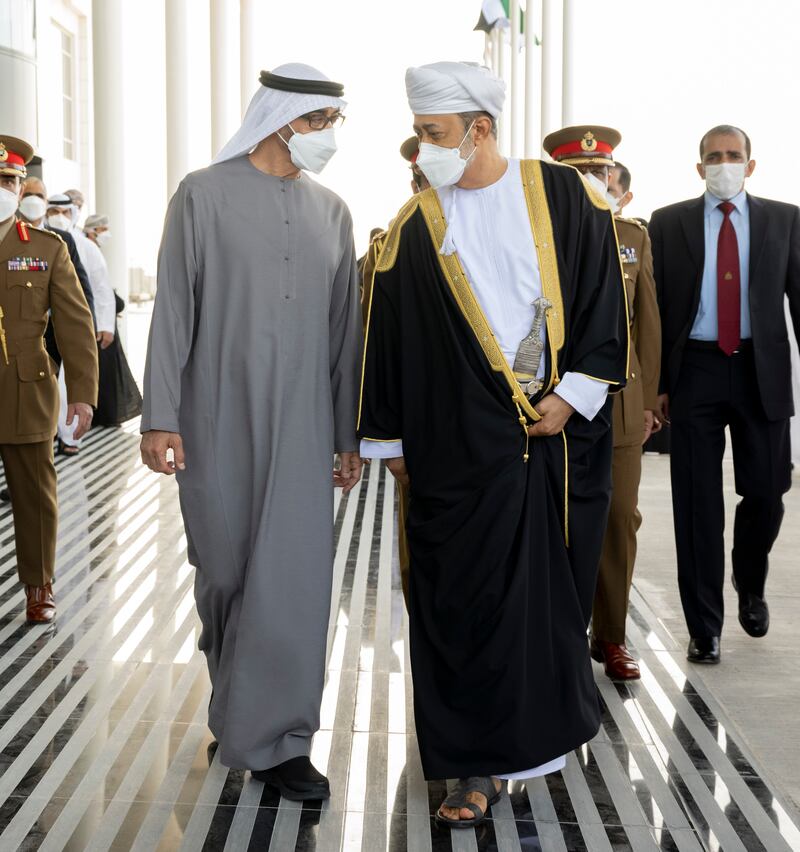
{"x":37,"y":277}
{"x":590,"y":149}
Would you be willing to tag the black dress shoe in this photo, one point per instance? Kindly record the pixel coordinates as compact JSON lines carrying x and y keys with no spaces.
{"x":5,"y":496}
{"x":753,"y":614}
{"x":704,"y":650}
{"x":296,"y":780}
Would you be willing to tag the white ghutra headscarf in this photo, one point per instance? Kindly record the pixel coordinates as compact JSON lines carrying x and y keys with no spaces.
{"x":271,"y":109}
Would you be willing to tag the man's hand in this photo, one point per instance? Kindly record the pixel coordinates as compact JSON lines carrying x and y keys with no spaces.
{"x":348,"y":474}
{"x":84,"y":414}
{"x":397,"y":467}
{"x":105,"y":339}
{"x":154,"y":451}
{"x":651,"y":425}
{"x":662,"y":412}
{"x":555,"y":413}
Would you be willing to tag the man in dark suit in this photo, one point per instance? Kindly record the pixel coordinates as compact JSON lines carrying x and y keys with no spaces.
{"x":723,"y":264}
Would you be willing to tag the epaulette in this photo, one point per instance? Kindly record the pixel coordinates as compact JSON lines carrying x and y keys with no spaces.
{"x":631,"y":222}
{"x":38,"y":232}
{"x":391,"y":242}
{"x":378,"y":241}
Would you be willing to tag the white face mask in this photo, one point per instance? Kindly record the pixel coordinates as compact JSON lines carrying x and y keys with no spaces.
{"x":9,"y":202}
{"x":60,"y":221}
{"x":600,"y":188}
{"x":612,"y":201}
{"x":33,"y":208}
{"x":725,"y":180}
{"x":311,"y":151}
{"x":102,"y":238}
{"x":443,"y":166}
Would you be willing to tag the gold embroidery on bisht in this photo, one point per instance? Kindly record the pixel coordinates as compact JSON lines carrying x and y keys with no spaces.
{"x":468,"y":304}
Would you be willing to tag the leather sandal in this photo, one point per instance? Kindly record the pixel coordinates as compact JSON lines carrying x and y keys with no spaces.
{"x":458,"y":799}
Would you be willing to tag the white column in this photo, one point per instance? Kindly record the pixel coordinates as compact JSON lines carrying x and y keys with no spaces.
{"x":515,"y":115}
{"x":176,"y":20}
{"x":225,"y":83}
{"x":109,"y":133}
{"x":551,"y":66}
{"x":569,"y":72}
{"x":533,"y":139}
{"x":248,"y":54}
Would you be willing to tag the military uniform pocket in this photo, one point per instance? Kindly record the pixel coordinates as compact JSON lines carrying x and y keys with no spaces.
{"x":37,"y":410}
{"x":34,"y":293}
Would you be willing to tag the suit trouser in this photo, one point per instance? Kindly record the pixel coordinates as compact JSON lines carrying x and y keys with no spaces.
{"x":714,"y":391}
{"x":619,"y":546}
{"x":31,"y":478}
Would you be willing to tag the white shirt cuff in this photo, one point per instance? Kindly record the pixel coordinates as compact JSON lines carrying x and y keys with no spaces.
{"x":584,"y":394}
{"x":381,"y":449}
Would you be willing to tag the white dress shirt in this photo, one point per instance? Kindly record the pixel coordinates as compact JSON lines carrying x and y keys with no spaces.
{"x":492,"y":234}
{"x":705,"y":321}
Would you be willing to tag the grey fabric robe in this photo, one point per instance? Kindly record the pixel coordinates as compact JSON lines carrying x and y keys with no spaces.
{"x":254,"y":357}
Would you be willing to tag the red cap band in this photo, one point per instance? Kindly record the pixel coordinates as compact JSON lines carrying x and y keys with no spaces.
{"x":13,"y":159}
{"x":577,"y":147}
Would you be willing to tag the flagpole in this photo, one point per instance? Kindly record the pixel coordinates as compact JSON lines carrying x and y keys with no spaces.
{"x":532,"y":71}
{"x":514,"y":114}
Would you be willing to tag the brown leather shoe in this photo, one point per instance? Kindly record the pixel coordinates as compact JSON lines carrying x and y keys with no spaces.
{"x":41,"y":605}
{"x":617,"y":659}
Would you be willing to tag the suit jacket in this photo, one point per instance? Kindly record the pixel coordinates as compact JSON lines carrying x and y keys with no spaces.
{"x":80,"y":270}
{"x":37,"y":277}
{"x":677,"y":235}
{"x":641,"y":391}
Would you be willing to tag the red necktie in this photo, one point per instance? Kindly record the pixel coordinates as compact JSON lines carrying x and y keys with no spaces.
{"x":728,"y":287}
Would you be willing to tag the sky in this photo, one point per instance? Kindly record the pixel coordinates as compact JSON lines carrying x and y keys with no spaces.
{"x":660,"y":73}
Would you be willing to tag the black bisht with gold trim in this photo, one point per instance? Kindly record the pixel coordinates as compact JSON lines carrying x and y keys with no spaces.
{"x":499,"y":601}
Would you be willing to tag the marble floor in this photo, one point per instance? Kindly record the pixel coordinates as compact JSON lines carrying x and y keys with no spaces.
{"x":103,"y":742}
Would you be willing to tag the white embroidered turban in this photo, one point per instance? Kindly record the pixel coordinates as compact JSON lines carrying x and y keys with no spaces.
{"x":450,"y":87}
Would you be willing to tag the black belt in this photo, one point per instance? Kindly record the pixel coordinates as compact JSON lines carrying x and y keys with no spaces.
{"x":745,"y":345}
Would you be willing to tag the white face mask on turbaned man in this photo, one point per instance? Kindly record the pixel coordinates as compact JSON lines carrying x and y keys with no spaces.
{"x":9,"y":202}
{"x":443,"y":166}
{"x":725,"y":180}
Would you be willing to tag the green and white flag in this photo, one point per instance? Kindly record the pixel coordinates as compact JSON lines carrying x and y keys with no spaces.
{"x":495,"y":14}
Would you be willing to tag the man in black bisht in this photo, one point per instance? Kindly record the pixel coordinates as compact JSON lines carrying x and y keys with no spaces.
{"x":496,"y":327}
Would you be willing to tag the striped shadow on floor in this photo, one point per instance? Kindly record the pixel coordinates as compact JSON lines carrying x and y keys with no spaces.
{"x":102,"y":719}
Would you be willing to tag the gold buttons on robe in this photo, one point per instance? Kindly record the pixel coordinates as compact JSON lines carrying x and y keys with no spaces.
{"x":41,"y":374}
{"x":28,"y":284}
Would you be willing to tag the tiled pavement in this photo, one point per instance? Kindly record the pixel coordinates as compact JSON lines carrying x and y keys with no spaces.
{"x":104,"y":744}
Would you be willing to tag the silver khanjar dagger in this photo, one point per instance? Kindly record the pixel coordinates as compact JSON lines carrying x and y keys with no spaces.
{"x":531,"y":347}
